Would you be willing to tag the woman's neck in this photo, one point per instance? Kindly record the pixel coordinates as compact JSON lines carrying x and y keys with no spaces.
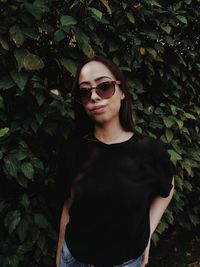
{"x":111,"y":133}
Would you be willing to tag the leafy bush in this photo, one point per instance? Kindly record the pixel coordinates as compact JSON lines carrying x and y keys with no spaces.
{"x":156,"y":45}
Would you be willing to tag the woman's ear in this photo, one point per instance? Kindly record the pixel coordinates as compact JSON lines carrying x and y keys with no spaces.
{"x":122,"y":96}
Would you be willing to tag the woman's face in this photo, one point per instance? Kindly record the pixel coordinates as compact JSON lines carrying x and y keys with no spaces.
{"x":99,"y":109}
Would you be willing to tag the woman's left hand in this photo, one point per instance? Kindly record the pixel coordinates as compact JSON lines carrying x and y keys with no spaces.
{"x":146,"y":255}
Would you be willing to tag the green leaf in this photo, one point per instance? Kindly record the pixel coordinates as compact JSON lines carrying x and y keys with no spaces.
{"x":50,"y":128}
{"x":161,"y":49}
{"x":20,"y":155}
{"x":34,"y":10}
{"x":173,"y":109}
{"x":161,"y":227}
{"x":4,"y":131}
{"x":96,"y":12}
{"x":189,"y":116}
{"x":32,"y":33}
{"x":182,"y":19}
{"x":69,"y":65}
{"x":38,"y":164}
{"x":177,"y":6}
{"x":137,"y":85}
{"x":22,"y":230}
{"x":130,"y":17}
{"x":168,"y":122}
{"x":179,"y":183}
{"x":40,"y":220}
{"x":169,"y":216}
{"x":11,"y":166}
{"x":33,"y":62}
{"x":152,"y":52}
{"x":17,"y":35}
{"x":13,"y":260}
{"x":4,"y":43}
{"x":27,"y":170}
{"x":112,"y":46}
{"x":166,"y":28}
{"x":45,"y":28}
{"x":6,"y":83}
{"x":180,"y":123}
{"x":67,"y":20}
{"x":137,"y":41}
{"x":2,"y":205}
{"x":106,"y":4}
{"x":19,"y":78}
{"x":34,"y":125}
{"x":25,"y":202}
{"x":153,"y":3}
{"x":123,"y":68}
{"x":1,"y":154}
{"x":187,"y":185}
{"x":40,"y":99}
{"x":194,"y":219}
{"x":20,"y":55}
{"x":40,"y":118}
{"x":188,"y":168}
{"x":151,"y":34}
{"x":42,"y":5}
{"x":24,"y":248}
{"x":84,"y":43}
{"x":155,"y":238}
{"x":59,"y":35}
{"x":2,"y":105}
{"x":169,"y":135}
{"x":12,"y":219}
{"x":169,"y":40}
{"x":75,"y":3}
{"x":41,"y":242}
{"x":174,"y":156}
{"x":21,"y":180}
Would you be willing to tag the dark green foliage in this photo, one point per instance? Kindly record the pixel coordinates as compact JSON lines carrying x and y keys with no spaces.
{"x":155,"y":43}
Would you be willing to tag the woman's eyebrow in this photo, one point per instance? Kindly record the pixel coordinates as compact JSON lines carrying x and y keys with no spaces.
{"x":97,"y":79}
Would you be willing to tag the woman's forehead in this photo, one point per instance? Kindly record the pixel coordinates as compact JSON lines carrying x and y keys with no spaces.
{"x":93,"y":70}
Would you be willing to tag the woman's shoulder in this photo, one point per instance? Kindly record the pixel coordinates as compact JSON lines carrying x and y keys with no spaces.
{"x":70,"y":145}
{"x":151,"y":144}
{"x":148,"y":140}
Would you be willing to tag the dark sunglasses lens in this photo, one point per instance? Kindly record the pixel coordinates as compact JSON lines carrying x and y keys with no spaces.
{"x":106,"y":89}
{"x":84,"y":95}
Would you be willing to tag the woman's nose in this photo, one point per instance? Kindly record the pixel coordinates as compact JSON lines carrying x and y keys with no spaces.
{"x":94,"y":96}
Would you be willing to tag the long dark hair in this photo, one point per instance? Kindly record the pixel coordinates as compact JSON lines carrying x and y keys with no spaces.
{"x":83,"y":123}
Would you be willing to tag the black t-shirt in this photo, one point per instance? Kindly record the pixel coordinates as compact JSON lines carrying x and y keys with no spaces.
{"x":113,"y":186}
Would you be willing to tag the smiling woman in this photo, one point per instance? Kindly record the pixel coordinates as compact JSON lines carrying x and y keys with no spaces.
{"x":115,"y":183}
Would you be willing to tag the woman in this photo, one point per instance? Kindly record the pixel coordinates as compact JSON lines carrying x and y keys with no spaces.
{"x":119,"y":182}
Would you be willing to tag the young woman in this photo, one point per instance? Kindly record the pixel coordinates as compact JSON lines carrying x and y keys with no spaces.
{"x":116,"y":183}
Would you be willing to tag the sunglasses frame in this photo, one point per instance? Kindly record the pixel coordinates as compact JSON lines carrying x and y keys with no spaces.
{"x":89,"y":90}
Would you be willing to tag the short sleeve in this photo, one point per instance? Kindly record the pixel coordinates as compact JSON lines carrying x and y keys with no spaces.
{"x":63,"y":170}
{"x":65,"y":167}
{"x":164,"y":169}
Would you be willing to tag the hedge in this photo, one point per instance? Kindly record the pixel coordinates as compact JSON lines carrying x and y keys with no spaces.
{"x":155,"y":43}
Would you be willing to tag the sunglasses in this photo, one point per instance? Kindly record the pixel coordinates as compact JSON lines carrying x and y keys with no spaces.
{"x":105,"y":90}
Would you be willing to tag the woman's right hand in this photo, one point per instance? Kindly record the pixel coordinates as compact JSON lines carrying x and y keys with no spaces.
{"x":63,"y":222}
{"x":145,"y":259}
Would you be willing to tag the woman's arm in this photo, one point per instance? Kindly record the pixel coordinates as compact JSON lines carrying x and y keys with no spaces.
{"x":158,"y":207}
{"x":63,"y":222}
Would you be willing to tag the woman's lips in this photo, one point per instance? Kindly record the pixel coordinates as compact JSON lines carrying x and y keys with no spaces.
{"x":98,"y":109}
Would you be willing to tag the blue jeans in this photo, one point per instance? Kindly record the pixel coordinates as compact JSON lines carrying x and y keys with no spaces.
{"x":67,"y":260}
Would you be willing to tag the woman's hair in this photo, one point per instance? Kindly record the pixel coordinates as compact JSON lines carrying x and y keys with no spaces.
{"x":83,"y":123}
